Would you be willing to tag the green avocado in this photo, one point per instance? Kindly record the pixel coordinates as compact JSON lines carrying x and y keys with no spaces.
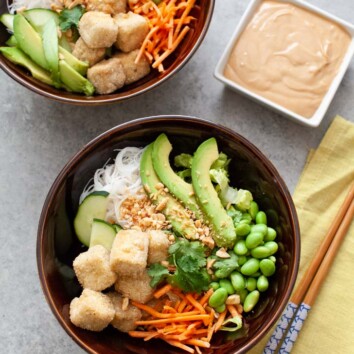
{"x":78,"y":65}
{"x":174,"y":211}
{"x":29,"y":41}
{"x":73,"y":81}
{"x":11,"y":42}
{"x":224,"y":233}
{"x":177,"y":186}
{"x":18,"y":57}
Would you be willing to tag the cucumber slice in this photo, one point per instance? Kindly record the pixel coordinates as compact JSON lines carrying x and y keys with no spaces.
{"x":93,"y":207}
{"x":39,"y":17}
{"x":8,"y":21}
{"x":102,"y":234}
{"x":117,"y":227}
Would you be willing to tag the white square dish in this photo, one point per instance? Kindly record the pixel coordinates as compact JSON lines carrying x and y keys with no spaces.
{"x":316,"y":118}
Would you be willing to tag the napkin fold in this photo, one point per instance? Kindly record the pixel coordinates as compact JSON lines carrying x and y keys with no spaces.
{"x":322,"y":188}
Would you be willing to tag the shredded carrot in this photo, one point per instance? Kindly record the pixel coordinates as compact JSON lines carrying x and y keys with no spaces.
{"x":183,"y":320}
{"x":164,"y":290}
{"x":168,"y":26}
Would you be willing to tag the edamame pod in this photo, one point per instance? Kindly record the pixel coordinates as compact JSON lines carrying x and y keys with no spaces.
{"x":218,"y":298}
{"x":262,"y":228}
{"x":253,"y":240}
{"x":250,"y":267}
{"x":261,"y":218}
{"x":260,"y":252}
{"x":226,"y":284}
{"x":243,"y":229}
{"x":262,"y":283}
{"x":271,"y":234}
{"x":237,"y":281}
{"x":251,"y":301}
{"x":240,"y":247}
{"x":253,"y":210}
{"x":251,"y":284}
{"x":267,"y":267}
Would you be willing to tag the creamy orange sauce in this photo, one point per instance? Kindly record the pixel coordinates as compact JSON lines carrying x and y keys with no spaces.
{"x":288,"y":55}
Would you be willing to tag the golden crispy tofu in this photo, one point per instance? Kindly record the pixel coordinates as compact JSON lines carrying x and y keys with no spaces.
{"x":98,"y":30}
{"x":107,"y":76}
{"x":87,"y":54}
{"x":158,"y":246}
{"x":124,"y":318}
{"x":92,"y":310}
{"x":93,"y":270}
{"x":135,"y":288}
{"x":129,"y":252}
{"x":133,"y":71}
{"x":132,"y":30}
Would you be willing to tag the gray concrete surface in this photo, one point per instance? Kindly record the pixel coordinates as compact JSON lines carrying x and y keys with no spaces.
{"x":38,"y":137}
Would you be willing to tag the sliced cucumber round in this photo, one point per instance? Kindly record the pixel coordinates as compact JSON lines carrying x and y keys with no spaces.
{"x":94,"y":206}
{"x":102,"y":234}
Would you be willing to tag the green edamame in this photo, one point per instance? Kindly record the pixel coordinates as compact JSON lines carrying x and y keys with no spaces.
{"x":262,"y":283}
{"x":270,"y":235}
{"x":256,"y":275}
{"x":253,"y":210}
{"x":243,"y":294}
{"x":214,"y":285}
{"x":247,"y":217}
{"x":240,"y":248}
{"x":251,"y":284}
{"x":218,"y":298}
{"x":221,"y":308}
{"x":251,"y":301}
{"x":243,"y":229}
{"x":272,"y":246}
{"x":250,"y":267}
{"x":242,"y":260}
{"x":253,"y":240}
{"x":237,"y":281}
{"x":226,"y":284}
{"x":273,"y":259}
{"x":261,"y":218}
{"x":267,"y":267}
{"x":260,"y":252}
{"x":262,"y":228}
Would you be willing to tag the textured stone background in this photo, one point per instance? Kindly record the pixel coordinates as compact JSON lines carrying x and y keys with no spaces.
{"x":38,"y":137}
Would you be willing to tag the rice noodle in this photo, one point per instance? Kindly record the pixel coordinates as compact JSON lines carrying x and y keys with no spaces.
{"x":120,"y":179}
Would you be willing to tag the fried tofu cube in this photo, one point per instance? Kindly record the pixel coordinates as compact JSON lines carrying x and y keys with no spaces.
{"x":98,"y":30}
{"x":158,"y":246}
{"x":132,"y":30}
{"x":112,"y":7}
{"x":93,"y":270}
{"x":107,"y":76}
{"x":87,"y":54}
{"x":135,"y":288}
{"x":129,"y":252}
{"x":92,"y":310}
{"x":133,"y":71}
{"x":124,"y":318}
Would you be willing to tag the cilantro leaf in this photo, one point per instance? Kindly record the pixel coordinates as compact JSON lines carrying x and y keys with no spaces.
{"x":157,"y":273}
{"x":225,"y":266}
{"x":190,"y":282}
{"x":70,"y":18}
{"x":188,"y":264}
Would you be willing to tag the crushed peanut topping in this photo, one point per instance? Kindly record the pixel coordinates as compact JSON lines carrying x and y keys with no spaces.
{"x":221,"y":253}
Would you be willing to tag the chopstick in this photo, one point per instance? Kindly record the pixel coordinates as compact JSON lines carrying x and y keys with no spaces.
{"x":333,"y":233}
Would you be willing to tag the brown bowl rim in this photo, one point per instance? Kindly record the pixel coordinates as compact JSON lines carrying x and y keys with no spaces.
{"x":90,"y":146}
{"x":96,"y":100}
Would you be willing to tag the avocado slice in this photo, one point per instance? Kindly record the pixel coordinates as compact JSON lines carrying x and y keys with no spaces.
{"x":174,"y":211}
{"x":80,"y":66}
{"x":38,"y":18}
{"x":18,"y":57}
{"x":51,"y":50}
{"x":73,"y":81}
{"x":8,"y":21}
{"x":29,"y":41}
{"x":224,"y":233}
{"x":178,"y":187}
{"x":11,"y":42}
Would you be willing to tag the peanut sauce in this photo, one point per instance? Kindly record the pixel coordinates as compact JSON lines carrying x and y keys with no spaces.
{"x":289,"y":55}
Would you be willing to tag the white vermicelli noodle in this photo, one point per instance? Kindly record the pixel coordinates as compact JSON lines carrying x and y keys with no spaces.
{"x":32,"y":4}
{"x":120,"y":179}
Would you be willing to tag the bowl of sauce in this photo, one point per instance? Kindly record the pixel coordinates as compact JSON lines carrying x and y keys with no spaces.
{"x":289,"y":56}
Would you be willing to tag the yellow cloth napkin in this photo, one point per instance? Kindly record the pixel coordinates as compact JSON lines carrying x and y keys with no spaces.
{"x":321,"y":190}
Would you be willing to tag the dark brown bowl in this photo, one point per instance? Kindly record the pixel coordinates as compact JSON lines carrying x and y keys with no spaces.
{"x":203,"y":13}
{"x":57,"y":245}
